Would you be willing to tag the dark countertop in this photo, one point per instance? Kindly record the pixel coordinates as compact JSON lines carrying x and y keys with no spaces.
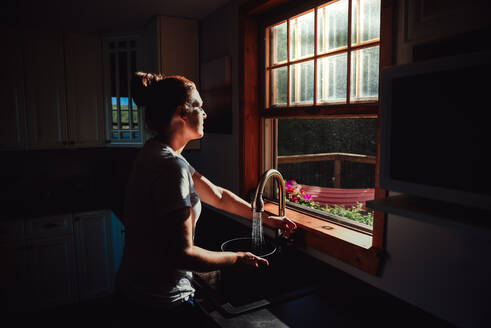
{"x":72,"y":202}
{"x":301,"y":291}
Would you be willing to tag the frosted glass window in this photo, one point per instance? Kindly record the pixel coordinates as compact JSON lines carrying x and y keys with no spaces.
{"x":279,"y":86}
{"x":278,"y":44}
{"x":302,"y":83}
{"x":302,"y":36}
{"x":364,"y":74}
{"x":365,"y":21}
{"x":332,"y":26}
{"x":332,"y":78}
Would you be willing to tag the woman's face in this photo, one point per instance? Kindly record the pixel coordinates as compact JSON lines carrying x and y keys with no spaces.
{"x":196,"y":115}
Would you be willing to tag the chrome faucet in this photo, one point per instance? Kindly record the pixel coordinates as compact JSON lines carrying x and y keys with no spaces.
{"x":258,"y":203}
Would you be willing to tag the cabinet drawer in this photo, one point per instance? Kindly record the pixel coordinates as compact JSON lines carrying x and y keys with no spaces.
{"x":48,"y":226}
{"x":11,"y":230}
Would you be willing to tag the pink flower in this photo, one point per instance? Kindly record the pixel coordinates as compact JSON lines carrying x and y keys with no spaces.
{"x":307,"y":197}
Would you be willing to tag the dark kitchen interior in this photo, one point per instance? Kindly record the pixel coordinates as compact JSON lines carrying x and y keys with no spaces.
{"x":431,"y":269}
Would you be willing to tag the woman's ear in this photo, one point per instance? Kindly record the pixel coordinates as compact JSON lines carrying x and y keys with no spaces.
{"x":181,"y":111}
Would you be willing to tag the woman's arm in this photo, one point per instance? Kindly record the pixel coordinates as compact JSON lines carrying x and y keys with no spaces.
{"x":194,"y":258}
{"x":226,"y":200}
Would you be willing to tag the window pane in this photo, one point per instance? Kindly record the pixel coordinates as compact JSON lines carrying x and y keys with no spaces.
{"x":364,"y":74}
{"x":365,"y":20}
{"x":332,"y":26}
{"x":302,"y":36}
{"x":125,"y":135}
{"x":124,"y":119}
{"x":279,"y":86}
{"x":302,"y":83}
{"x":331,"y":78}
{"x":115,"y":119}
{"x":278,"y":45}
{"x":333,"y":178}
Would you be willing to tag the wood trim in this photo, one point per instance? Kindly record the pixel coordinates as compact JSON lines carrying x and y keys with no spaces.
{"x":250,"y":142}
{"x":361,"y":109}
{"x":386,"y":59}
{"x":342,"y":243}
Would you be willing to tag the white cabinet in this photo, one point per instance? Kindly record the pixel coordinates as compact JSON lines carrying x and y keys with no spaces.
{"x":83,"y":57}
{"x":94,"y":254}
{"x":163,"y":36}
{"x":59,"y":260}
{"x":12,"y":131}
{"x":52,"y":271}
{"x":45,"y":89}
{"x":14,"y":279}
{"x":63,"y":89}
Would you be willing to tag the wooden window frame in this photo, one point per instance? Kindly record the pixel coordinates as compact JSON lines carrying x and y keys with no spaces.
{"x":339,"y":242}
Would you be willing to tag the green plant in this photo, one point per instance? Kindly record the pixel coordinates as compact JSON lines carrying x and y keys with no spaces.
{"x":295,"y":194}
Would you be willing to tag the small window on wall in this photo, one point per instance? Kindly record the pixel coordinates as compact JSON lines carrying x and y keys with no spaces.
{"x":124,"y":119}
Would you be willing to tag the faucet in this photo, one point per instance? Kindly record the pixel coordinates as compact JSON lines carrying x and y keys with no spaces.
{"x":258,"y":203}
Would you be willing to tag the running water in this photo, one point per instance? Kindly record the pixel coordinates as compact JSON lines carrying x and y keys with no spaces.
{"x":257,"y":233}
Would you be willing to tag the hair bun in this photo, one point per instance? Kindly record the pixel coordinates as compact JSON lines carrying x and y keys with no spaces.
{"x":142,"y":87}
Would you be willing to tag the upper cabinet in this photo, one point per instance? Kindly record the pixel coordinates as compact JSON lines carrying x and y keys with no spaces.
{"x":52,"y":90}
{"x":45,"y":89}
{"x":171,"y":47}
{"x":429,"y":28}
{"x":179,"y":47}
{"x":83,"y":57}
{"x":12,"y":131}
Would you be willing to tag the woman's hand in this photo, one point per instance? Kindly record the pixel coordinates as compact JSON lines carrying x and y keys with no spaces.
{"x":247,"y":259}
{"x":286,"y":226}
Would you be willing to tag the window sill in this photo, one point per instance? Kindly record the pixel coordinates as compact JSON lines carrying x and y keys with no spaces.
{"x":347,"y":245}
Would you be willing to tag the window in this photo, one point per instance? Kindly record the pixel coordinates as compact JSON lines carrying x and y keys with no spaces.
{"x":123,"y":117}
{"x":328,"y":55}
{"x":262,"y":120}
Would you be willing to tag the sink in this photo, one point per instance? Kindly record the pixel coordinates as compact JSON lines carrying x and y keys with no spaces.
{"x":289,"y":276}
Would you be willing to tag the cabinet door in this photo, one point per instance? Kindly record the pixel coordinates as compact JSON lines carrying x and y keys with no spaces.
{"x":94,"y":254}
{"x":12,"y":129}
{"x":83,"y":55}
{"x":14,"y":276}
{"x":52,"y":271}
{"x":45,"y":89}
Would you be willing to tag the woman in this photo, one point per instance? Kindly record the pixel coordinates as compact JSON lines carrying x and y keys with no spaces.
{"x":163,"y":203}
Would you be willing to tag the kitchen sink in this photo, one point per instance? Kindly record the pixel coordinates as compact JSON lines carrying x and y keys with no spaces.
{"x":290,"y":275}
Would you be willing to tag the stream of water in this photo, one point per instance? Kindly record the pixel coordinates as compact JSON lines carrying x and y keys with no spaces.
{"x":257,"y":233}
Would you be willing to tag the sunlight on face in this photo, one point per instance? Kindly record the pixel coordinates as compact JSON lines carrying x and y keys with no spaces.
{"x":197,"y":115}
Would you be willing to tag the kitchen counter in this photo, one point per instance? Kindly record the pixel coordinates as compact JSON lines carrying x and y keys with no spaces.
{"x":296,"y":291}
{"x":339,"y":301}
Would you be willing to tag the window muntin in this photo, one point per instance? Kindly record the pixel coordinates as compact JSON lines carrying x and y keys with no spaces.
{"x":124,"y":118}
{"x":302,"y":45}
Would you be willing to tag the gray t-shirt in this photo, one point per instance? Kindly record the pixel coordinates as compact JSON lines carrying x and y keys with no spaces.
{"x":161,"y":182}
